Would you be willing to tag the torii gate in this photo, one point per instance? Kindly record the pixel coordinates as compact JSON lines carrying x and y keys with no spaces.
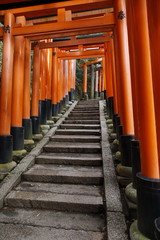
{"x":135,"y":65}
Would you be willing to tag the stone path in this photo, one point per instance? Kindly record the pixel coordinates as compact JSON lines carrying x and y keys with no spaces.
{"x":62,"y":195}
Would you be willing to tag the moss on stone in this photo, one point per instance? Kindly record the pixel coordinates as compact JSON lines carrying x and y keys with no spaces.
{"x":135,"y":234}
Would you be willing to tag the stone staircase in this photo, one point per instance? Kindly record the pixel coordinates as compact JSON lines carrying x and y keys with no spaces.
{"x":62,"y":197}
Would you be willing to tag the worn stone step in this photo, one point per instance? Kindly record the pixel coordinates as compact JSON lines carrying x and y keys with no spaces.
{"x":78,"y":132}
{"x":82,"y":121}
{"x":76,"y":138}
{"x":68,"y":189}
{"x":72,"y":147}
{"x":55,"y":201}
{"x":83,"y":114}
{"x":85,"y":111}
{"x":22,"y":232}
{"x":70,"y":159}
{"x":64,"y":174}
{"x":86,"y":117}
{"x":80,"y":126}
{"x":52,"y":219}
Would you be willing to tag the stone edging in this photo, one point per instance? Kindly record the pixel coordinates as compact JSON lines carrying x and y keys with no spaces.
{"x":115,"y":220}
{"x":14,"y":176}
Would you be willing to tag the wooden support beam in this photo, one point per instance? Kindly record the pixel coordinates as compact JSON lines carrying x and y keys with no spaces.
{"x":51,"y":9}
{"x":81,"y":54}
{"x":70,"y":33}
{"x":68,"y":43}
{"x":77,"y":15}
{"x":92,"y":62}
{"x":41,"y":29}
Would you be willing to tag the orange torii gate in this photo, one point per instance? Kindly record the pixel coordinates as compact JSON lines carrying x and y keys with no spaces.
{"x":131,"y":75}
{"x":84,"y":65}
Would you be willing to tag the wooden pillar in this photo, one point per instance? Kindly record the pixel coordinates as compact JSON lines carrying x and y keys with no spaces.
{"x":109,"y":79}
{"x":42,"y":88}
{"x":66,"y":82}
{"x":35,"y":91}
{"x":148,"y":179}
{"x":55,"y":83}
{"x":96,"y":85}
{"x":74,"y":77}
{"x":69,"y":78}
{"x":84,"y":80}
{"x":92,"y":80}
{"x":114,"y":77}
{"x":6,"y":141}
{"x":124,"y":81}
{"x":48,"y":81}
{"x":100,"y":82}
{"x":27,"y":123}
{"x":18,"y":88}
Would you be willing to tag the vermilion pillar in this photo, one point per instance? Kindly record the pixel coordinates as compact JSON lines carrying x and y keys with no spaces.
{"x":27,"y":123}
{"x":35,"y":91}
{"x":18,"y":88}
{"x":74,"y":77}
{"x":154,"y":34}
{"x":66,"y":82}
{"x":124,"y":81}
{"x":109,"y":78}
{"x":48,"y":81}
{"x":55,"y":101}
{"x":96,"y":85}
{"x":42,"y":87}
{"x":148,"y":183}
{"x":6,"y":141}
{"x":84,"y":80}
{"x":135,"y":150}
{"x":69,"y":78}
{"x":92,"y":80}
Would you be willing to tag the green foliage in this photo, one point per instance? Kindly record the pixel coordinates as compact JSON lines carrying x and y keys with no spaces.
{"x":79,"y":76}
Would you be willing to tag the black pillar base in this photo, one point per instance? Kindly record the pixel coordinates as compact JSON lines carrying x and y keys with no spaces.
{"x":6,"y":148}
{"x":110,"y":107}
{"x":18,"y":138}
{"x":119,"y":133}
{"x":157,"y":228}
{"x":117,"y":123}
{"x":114,"y":122}
{"x":64,"y":102}
{"x":27,"y":124}
{"x":70,"y":96}
{"x":135,"y":159}
{"x":60,"y":106}
{"x":148,"y":204}
{"x":125,"y":148}
{"x":105,"y":94}
{"x":54,"y":109}
{"x":35,"y":124}
{"x":67,"y":99}
{"x":43,"y":111}
{"x":49,"y":109}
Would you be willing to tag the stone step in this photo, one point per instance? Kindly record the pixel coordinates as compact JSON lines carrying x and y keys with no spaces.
{"x":51,"y":219}
{"x":85,"y":111}
{"x":83,"y":117}
{"x":30,"y":232}
{"x":80,"y":126}
{"x":83,"y":114}
{"x":75,"y":138}
{"x":82,"y":121}
{"x":72,"y":147}
{"x":55,"y":201}
{"x":70,"y":159}
{"x":64,"y":174}
{"x":78,"y":132}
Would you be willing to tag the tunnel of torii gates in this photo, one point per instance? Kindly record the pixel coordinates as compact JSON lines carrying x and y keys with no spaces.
{"x":129,"y":47}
